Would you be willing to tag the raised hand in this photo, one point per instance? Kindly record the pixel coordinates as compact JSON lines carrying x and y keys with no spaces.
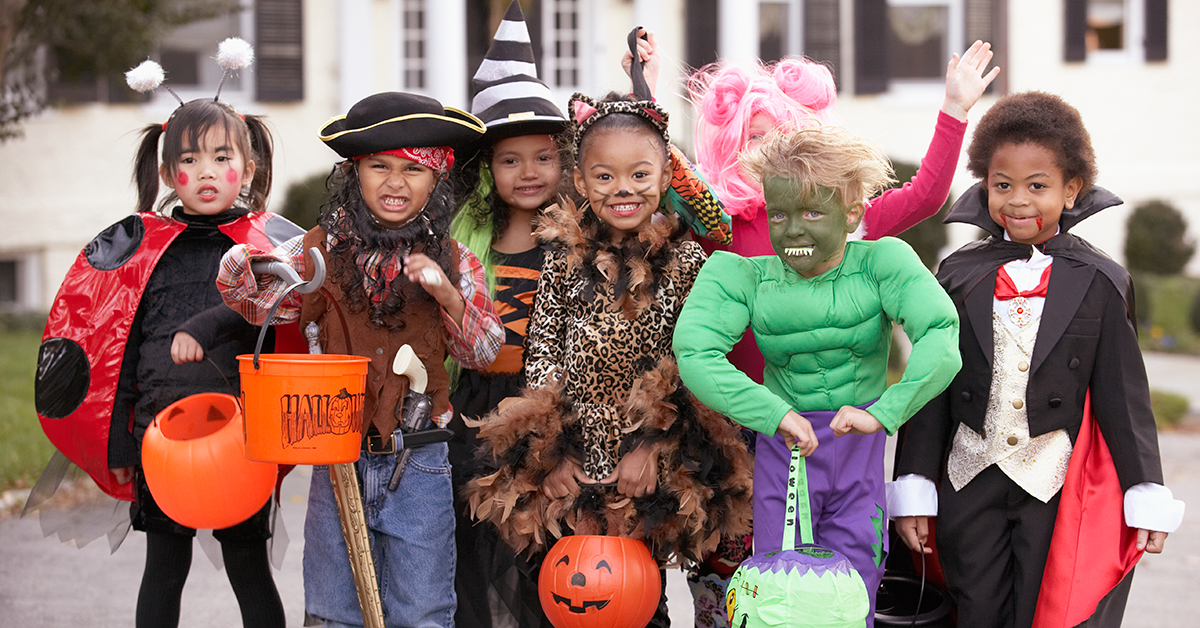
{"x":965,"y":80}
{"x":648,"y":53}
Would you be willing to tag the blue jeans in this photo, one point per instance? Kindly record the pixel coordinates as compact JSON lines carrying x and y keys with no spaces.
{"x":412,"y":540}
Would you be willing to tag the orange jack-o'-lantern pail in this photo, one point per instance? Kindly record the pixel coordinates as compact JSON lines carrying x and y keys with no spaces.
{"x":589,"y":581}
{"x":303,"y":409}
{"x":195,"y":464}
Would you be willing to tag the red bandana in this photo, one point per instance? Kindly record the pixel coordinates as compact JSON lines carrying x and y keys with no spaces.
{"x":439,"y":158}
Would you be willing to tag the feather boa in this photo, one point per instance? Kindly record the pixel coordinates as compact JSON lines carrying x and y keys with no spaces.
{"x":635,"y":267}
{"x":704,"y":481}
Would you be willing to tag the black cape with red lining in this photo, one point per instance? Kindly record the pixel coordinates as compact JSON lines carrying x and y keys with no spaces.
{"x":1090,"y":511}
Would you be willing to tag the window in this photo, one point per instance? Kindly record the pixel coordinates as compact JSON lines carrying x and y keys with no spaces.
{"x":774,"y":31}
{"x":8,"y":283}
{"x":187,"y":55}
{"x":901,"y":46}
{"x":19,"y":276}
{"x":414,"y":44}
{"x":1106,"y":30}
{"x":922,"y":34}
{"x":273,"y":27}
{"x":1106,"y":25}
{"x":563,"y":34}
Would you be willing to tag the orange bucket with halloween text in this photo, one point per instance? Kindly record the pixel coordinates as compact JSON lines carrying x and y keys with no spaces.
{"x":303,"y":409}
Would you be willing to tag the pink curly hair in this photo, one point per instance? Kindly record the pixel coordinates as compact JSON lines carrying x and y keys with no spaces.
{"x":794,"y":92}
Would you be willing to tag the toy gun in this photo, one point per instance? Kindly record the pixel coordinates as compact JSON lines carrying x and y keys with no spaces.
{"x":414,"y":413}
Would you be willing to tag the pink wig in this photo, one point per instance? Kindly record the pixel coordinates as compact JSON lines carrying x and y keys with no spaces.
{"x":794,"y":92}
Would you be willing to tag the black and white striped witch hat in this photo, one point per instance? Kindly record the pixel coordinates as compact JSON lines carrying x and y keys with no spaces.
{"x":506,"y":91}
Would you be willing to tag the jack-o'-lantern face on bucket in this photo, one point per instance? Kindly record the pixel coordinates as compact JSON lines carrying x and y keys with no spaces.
{"x":599,"y":582}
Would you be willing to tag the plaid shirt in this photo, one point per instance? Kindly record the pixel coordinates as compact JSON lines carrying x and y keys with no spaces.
{"x":474,"y":345}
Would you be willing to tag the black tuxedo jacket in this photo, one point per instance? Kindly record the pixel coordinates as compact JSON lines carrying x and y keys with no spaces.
{"x":1086,"y":341}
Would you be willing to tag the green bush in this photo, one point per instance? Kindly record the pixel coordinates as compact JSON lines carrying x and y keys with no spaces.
{"x":1169,"y":408}
{"x":1156,"y":241}
{"x":1143,"y":294}
{"x":305,"y":199}
{"x":927,"y":237}
{"x":1164,"y":307}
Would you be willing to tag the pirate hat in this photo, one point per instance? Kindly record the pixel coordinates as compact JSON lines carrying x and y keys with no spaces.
{"x":391,"y":120}
{"x":506,"y":91}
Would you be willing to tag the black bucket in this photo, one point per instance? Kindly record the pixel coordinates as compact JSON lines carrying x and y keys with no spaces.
{"x":896,"y":604}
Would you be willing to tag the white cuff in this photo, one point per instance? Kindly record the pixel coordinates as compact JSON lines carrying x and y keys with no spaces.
{"x":1150,"y":506}
{"x":911,"y":495}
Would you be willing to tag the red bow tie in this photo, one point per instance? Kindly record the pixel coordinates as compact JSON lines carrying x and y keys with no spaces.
{"x":1006,"y":289}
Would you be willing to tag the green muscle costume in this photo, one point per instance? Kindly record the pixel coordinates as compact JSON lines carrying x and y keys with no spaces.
{"x":825,"y":339}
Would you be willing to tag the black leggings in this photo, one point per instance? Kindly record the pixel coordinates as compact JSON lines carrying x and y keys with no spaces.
{"x":168,"y":561}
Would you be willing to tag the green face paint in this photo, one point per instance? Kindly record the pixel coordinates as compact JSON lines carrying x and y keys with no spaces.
{"x":808,"y":234}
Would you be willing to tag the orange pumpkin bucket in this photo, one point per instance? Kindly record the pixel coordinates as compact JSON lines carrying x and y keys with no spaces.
{"x":589,"y":581}
{"x":303,"y":409}
{"x":195,"y":464}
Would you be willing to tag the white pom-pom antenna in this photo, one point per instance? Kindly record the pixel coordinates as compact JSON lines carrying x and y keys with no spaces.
{"x":235,"y":53}
{"x":146,"y":77}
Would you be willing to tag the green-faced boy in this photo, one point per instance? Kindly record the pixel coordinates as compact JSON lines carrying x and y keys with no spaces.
{"x":822,"y":311}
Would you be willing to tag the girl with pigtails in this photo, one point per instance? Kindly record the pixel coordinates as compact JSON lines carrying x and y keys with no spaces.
{"x":141,"y":303}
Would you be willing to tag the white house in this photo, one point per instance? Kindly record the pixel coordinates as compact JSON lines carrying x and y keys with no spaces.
{"x":1121,"y":62}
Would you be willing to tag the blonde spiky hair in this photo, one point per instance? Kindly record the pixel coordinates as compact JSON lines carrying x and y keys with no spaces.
{"x":830,"y":156}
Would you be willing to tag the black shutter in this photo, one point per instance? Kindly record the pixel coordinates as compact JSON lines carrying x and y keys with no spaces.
{"x":1156,"y":30}
{"x":871,"y":34}
{"x":702,"y":33}
{"x":1075,"y":37}
{"x":279,"y":50}
{"x":986,"y":21}
{"x":822,"y":38}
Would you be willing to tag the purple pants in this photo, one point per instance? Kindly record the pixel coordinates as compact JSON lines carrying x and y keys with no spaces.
{"x":845,"y":485}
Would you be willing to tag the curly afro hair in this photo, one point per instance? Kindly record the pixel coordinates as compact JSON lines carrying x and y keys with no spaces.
{"x":1039,"y":118}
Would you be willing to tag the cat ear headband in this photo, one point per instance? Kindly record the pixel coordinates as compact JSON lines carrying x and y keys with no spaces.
{"x":688,"y":195}
{"x":233,"y":54}
{"x":585,"y":112}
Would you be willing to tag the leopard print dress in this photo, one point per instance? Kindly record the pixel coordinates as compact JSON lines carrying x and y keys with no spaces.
{"x":599,"y":351}
{"x":602,"y":380}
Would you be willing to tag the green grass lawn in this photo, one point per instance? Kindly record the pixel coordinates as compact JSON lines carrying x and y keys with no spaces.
{"x":24,"y":449}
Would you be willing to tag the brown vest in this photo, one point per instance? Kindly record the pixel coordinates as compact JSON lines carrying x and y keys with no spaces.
{"x":344,"y":332}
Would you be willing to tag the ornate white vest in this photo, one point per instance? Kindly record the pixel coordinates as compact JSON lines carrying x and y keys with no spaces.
{"x":1037,"y":465}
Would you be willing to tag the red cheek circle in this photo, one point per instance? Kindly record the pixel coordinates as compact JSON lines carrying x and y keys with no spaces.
{"x":181,"y":178}
{"x":231,"y":175}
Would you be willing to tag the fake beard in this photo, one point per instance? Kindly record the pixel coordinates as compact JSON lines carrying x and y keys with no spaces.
{"x":357,"y":234}
{"x":368,"y":236}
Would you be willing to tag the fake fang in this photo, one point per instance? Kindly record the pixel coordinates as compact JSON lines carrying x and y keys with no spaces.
{"x":803,"y":251}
